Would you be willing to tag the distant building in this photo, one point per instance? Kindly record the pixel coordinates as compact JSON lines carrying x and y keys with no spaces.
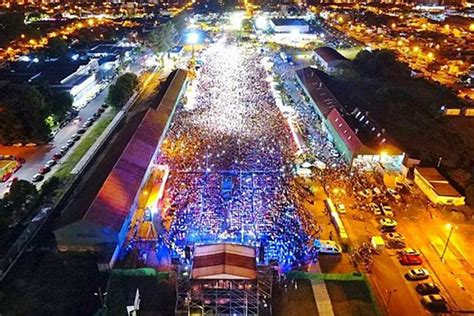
{"x":437,"y":188}
{"x":328,"y":58}
{"x":289,"y":25}
{"x":104,"y":226}
{"x":360,"y":140}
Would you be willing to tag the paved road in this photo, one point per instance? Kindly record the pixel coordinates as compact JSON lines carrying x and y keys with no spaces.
{"x":36,"y":157}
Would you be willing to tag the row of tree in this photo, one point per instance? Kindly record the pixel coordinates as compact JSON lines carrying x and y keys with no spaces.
{"x":28,"y":113}
{"x":121,"y":91}
{"x":167,"y":34}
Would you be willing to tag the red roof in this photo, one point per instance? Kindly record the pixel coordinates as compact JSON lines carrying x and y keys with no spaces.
{"x":112,"y":204}
{"x":319,"y":92}
{"x":345,"y":131}
{"x":224,"y":261}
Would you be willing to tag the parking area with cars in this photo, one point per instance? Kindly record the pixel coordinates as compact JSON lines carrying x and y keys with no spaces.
{"x":59,"y":155}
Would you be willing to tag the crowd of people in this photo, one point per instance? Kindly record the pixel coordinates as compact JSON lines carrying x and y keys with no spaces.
{"x":230,"y":153}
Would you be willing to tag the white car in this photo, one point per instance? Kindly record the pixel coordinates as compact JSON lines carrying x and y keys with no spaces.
{"x":375,"y":209}
{"x":409,"y":252}
{"x":50,"y":163}
{"x":341,"y":208}
{"x":394,"y":236}
{"x":386,"y":210}
{"x":418,"y":274}
{"x":394,"y":194}
{"x":388,"y":222}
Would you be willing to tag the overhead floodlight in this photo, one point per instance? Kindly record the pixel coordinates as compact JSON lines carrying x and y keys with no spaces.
{"x":236,"y":19}
{"x":261,"y":23}
{"x":192,"y":38}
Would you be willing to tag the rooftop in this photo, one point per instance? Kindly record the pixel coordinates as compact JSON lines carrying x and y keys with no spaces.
{"x":224,"y":261}
{"x":292,"y":22}
{"x":329,"y":54}
{"x":439,"y":183}
{"x":112,"y":203}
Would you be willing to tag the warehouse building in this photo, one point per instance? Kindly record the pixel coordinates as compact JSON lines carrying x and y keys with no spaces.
{"x":289,"y":25}
{"x":328,"y":58}
{"x":437,"y":188}
{"x":356,"y":136}
{"x":104,"y":226}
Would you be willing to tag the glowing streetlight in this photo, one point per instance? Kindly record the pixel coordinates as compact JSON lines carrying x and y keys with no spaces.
{"x":261,"y":23}
{"x":192,"y":38}
{"x":451,"y":228}
{"x":236,"y":20}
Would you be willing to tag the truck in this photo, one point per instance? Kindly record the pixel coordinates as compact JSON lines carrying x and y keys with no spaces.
{"x":378,"y":243}
{"x":328,"y":247}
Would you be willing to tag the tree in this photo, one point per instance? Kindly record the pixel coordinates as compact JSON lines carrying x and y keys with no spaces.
{"x":162,"y":39}
{"x":57,"y":104}
{"x":23,"y":194}
{"x":57,"y":48}
{"x":469,"y":193}
{"x":122,"y":90}
{"x":23,"y":114}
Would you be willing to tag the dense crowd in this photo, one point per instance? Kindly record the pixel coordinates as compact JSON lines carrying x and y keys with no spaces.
{"x":230,"y":150}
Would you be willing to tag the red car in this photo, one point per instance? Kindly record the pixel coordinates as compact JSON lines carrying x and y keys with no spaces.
{"x":57,"y":156}
{"x":44,"y":170}
{"x":408,"y":260}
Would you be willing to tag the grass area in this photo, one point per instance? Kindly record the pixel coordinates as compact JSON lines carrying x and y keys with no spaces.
{"x":350,"y":298}
{"x":350,"y":53}
{"x":157,"y":293}
{"x":83,"y":146}
{"x":294,"y":302}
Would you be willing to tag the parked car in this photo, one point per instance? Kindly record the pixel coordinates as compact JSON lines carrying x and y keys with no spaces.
{"x":86,"y":125}
{"x":396,"y":244}
{"x":407,"y":260}
{"x":341,"y":208}
{"x":435,"y":303}
{"x":76,"y":137}
{"x":70,"y":143}
{"x":427,"y":288}
{"x":104,"y":106}
{"x":394,"y":194}
{"x":377,"y":191}
{"x":81,"y":131}
{"x":76,"y":120}
{"x":388,"y":225}
{"x":417,"y":274}
{"x":375,"y":209}
{"x":409,"y":251}
{"x":44,"y":170}
{"x":100,"y":110}
{"x":386,"y":210}
{"x":50,"y":163}
{"x":37,"y":177}
{"x":57,"y":156}
{"x":394,"y":236}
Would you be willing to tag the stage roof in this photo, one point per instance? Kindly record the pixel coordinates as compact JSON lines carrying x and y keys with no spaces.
{"x":224,"y":261}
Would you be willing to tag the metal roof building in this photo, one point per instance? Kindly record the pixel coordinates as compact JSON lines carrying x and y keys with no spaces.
{"x":107,"y":219}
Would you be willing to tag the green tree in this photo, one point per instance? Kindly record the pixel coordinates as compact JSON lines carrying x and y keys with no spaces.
{"x":23,"y":194}
{"x":23,"y":114}
{"x":122,"y":90}
{"x":162,"y":39}
{"x":469,"y":193}
{"x":57,"y":48}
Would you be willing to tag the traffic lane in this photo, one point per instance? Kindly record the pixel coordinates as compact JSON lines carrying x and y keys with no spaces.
{"x":452,"y":275}
{"x":387,"y":273}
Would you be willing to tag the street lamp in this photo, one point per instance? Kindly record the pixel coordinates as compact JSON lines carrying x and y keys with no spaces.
{"x":451,"y":229}
{"x":390,"y":292}
{"x":192,"y":38}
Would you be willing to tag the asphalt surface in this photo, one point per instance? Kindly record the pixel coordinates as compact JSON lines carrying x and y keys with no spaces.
{"x":36,"y":157}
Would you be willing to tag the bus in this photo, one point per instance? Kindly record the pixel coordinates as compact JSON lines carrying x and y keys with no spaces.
{"x":336,"y":221}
